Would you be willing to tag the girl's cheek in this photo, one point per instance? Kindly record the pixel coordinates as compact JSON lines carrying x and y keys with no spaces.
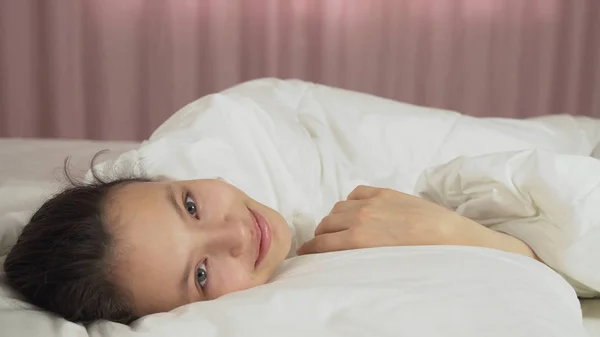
{"x":231,"y":279}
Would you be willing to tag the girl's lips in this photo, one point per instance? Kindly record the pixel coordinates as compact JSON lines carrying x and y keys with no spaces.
{"x":264,"y":234}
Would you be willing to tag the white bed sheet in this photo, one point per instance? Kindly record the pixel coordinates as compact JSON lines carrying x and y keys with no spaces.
{"x":41,"y":159}
{"x":32,"y":169}
{"x":36,"y":164}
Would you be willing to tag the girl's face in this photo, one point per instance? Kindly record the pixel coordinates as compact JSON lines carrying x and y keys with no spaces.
{"x":179,"y":242}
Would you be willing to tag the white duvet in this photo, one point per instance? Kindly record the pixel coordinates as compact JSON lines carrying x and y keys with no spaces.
{"x":299,"y":147}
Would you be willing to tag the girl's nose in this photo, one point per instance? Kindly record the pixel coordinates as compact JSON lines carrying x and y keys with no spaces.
{"x":229,"y":236}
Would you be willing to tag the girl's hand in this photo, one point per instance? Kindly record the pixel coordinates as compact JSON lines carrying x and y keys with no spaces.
{"x":375,"y":217}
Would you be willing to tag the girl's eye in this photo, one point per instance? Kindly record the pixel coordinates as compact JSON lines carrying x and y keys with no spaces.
{"x":201,"y":275}
{"x":190,"y":206}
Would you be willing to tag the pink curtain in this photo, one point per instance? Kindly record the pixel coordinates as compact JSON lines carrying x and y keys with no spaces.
{"x":115,"y":69}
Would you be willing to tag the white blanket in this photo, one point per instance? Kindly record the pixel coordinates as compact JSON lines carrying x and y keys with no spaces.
{"x":299,"y":147}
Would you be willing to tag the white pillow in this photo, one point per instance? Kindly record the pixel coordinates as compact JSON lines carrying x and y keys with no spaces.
{"x":395,"y":291}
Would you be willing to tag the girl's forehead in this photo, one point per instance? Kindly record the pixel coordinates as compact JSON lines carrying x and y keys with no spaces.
{"x":139,"y":191}
{"x":136,"y":205}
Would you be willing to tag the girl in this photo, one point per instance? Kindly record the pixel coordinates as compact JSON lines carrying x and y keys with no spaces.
{"x":126,"y":248}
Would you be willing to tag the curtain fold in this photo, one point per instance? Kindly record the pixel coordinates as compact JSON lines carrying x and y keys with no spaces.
{"x":114,"y":69}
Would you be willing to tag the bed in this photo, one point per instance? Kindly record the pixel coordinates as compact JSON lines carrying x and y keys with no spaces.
{"x":31,"y":170}
{"x":39,"y":162}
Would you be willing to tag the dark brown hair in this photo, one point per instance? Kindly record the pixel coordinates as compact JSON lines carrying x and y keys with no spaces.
{"x":62,"y":260}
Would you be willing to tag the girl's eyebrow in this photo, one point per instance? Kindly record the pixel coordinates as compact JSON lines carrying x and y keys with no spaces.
{"x":170,"y":193}
{"x":186,"y":273}
{"x":183,"y":282}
